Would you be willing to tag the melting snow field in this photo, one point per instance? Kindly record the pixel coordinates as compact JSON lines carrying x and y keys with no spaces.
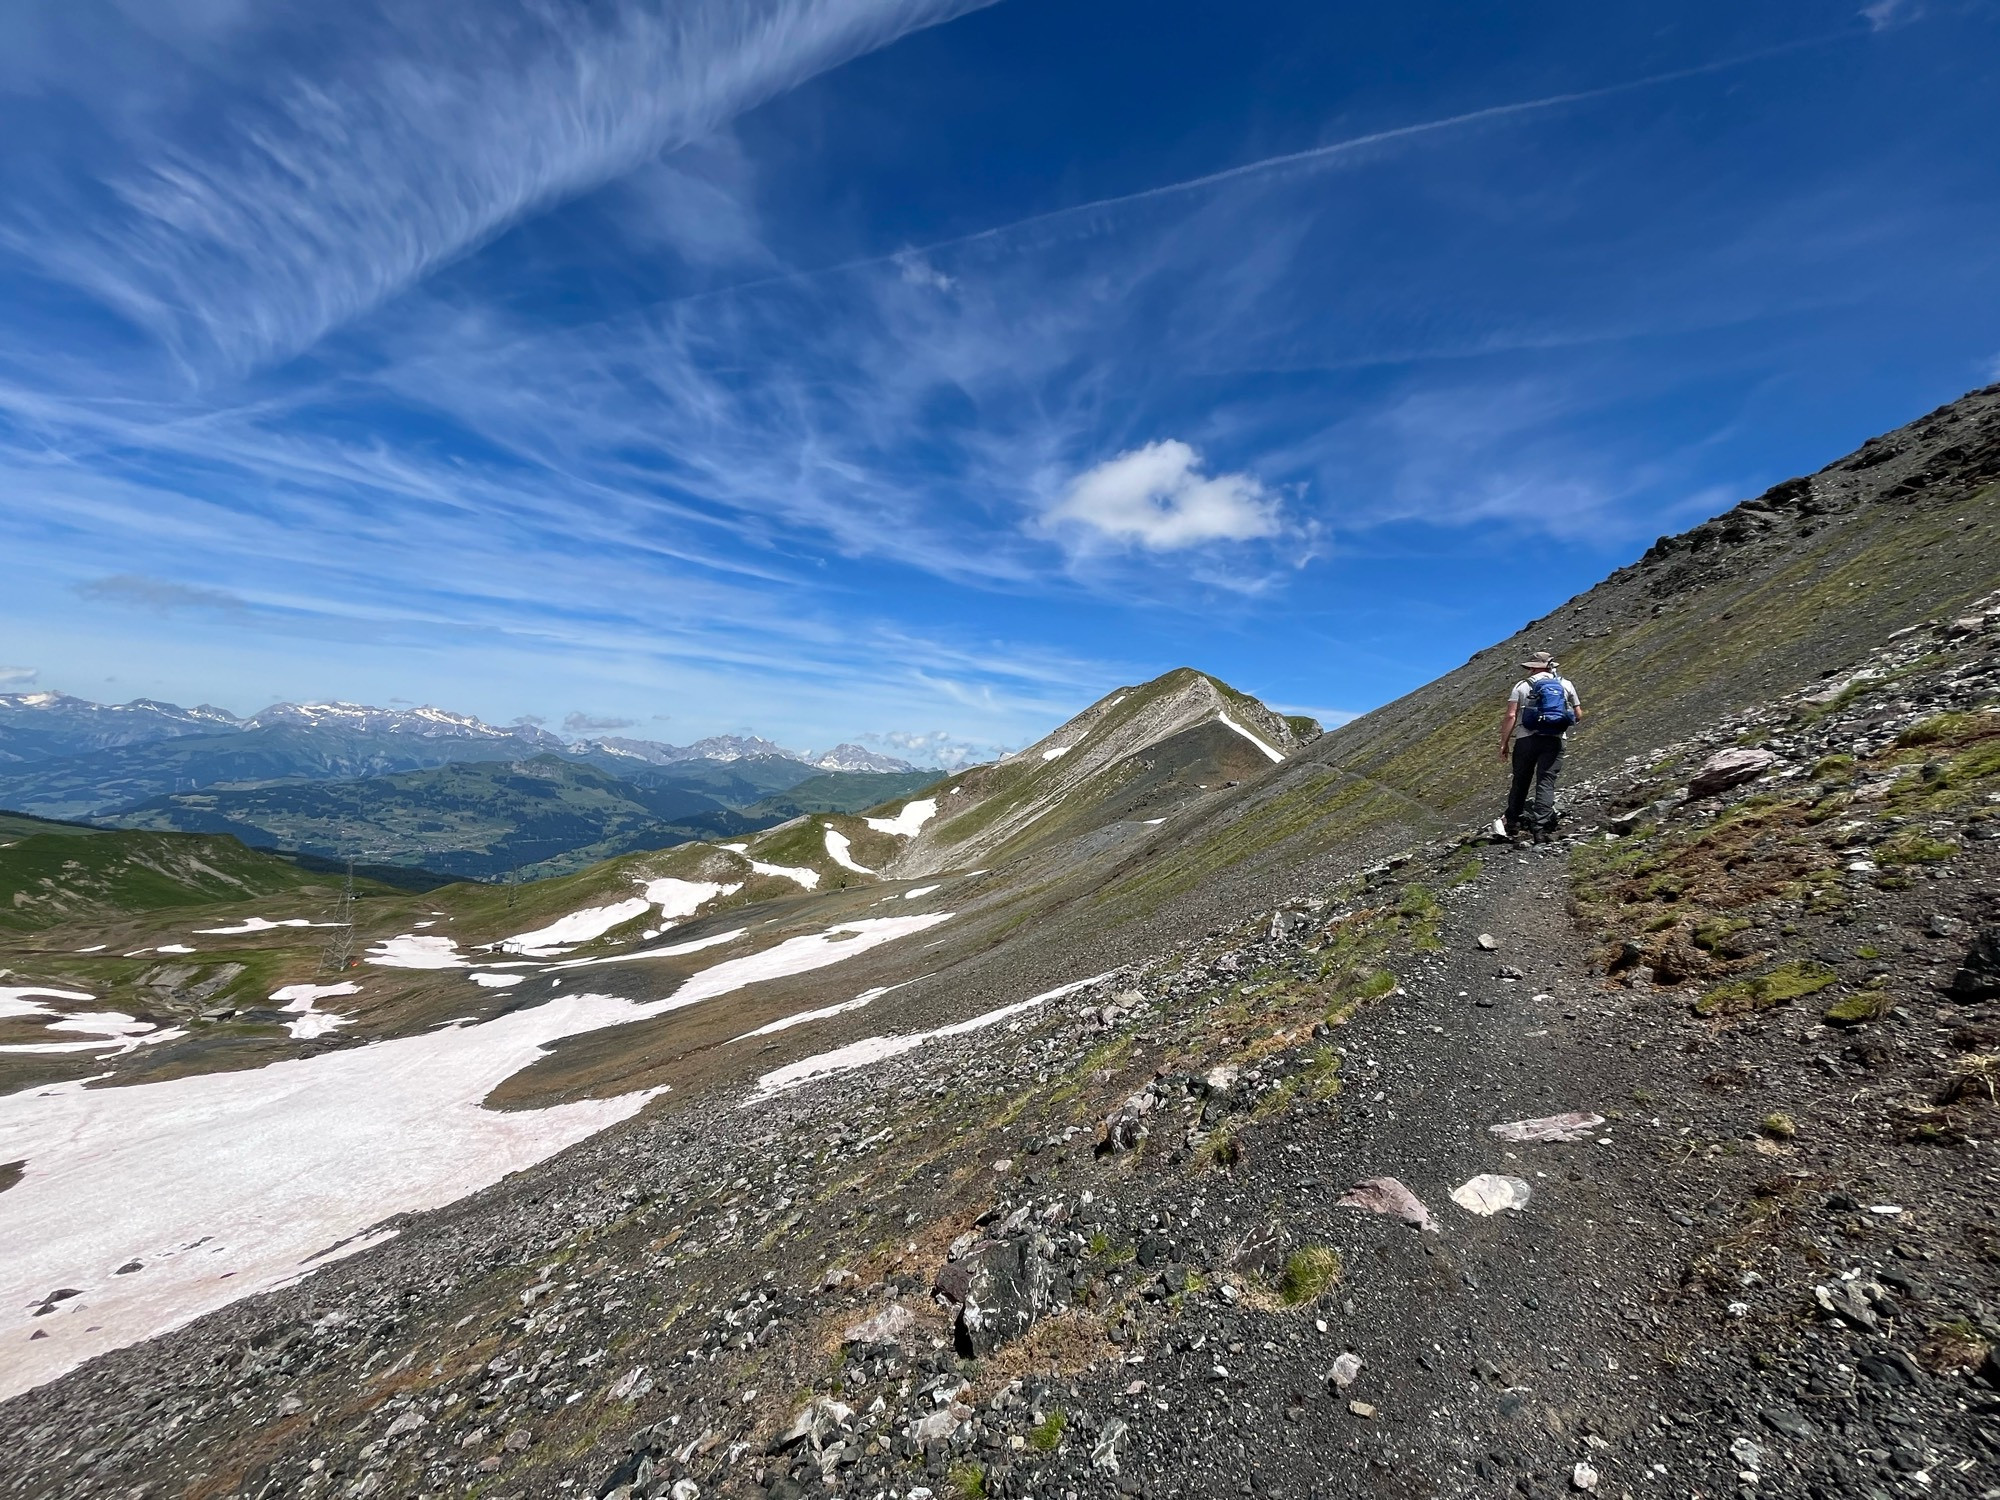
{"x":223,"y":1185}
{"x":1057,"y":753}
{"x":874,"y":1049}
{"x":837,"y":849}
{"x":109,"y":1032}
{"x":804,"y":875}
{"x":1275,"y":755}
{"x":675,"y":899}
{"x":408,"y":952}
{"x":578,"y":927}
{"x":825,"y":1012}
{"x":300,"y":999}
{"x":261,"y":924}
{"x":909,"y":822}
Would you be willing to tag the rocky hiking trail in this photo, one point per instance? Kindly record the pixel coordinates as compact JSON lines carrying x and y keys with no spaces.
{"x":1099,"y":1247}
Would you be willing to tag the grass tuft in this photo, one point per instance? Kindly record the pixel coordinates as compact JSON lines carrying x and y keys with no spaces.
{"x":1308,"y":1272}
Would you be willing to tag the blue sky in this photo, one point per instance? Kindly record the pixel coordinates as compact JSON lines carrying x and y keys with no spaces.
{"x":922,"y":369}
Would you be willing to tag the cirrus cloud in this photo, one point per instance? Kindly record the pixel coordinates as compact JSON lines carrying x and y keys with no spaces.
{"x":1158,"y":497}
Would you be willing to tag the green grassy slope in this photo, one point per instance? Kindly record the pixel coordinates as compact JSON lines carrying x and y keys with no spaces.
{"x":53,"y":878}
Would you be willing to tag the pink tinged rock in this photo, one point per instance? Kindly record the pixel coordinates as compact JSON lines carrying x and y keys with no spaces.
{"x":1346,"y":1370}
{"x":884,"y":1328}
{"x":1490,"y":1193}
{"x":1574,"y":1126}
{"x":1385,"y":1195}
{"x":1727,"y":768}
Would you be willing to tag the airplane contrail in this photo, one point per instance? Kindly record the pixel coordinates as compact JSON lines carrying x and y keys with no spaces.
{"x":1310,"y":156}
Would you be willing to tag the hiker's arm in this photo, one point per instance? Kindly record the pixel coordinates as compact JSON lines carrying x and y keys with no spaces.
{"x":1507,"y":726}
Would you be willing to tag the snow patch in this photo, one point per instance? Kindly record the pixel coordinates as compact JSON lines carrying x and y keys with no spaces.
{"x":907,"y":823}
{"x":578,"y":927}
{"x":672,"y":950}
{"x":786,"y":1023}
{"x":920,"y":892}
{"x":808,"y":878}
{"x":1057,"y":753}
{"x":814,"y":950}
{"x":410,"y":952}
{"x":837,"y":850}
{"x":110,"y":1032}
{"x":683,"y":898}
{"x":301,"y":998}
{"x":1275,"y":755}
{"x":277,"y":1170}
{"x":876,"y":1049}
{"x":488,"y":981}
{"x":262,"y":924}
{"x":263,"y":1169}
{"x":174,"y":948}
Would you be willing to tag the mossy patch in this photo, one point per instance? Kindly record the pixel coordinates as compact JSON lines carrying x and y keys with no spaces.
{"x":1047,"y":1435}
{"x":1915,"y":849}
{"x":1762,"y":991}
{"x":1857,"y":1010}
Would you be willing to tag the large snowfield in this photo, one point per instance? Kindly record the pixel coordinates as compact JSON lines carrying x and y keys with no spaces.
{"x":158,"y":1202}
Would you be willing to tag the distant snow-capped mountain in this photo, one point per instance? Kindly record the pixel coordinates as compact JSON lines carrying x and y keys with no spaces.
{"x":847,"y":757}
{"x":37,"y":726}
{"x":62,"y":756}
{"x":426,"y":722}
{"x":724,"y":748}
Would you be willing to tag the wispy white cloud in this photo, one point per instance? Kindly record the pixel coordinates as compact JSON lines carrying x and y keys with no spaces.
{"x":1158,"y":497}
{"x":578,"y":722}
{"x":238,"y":227}
{"x":936,"y":747}
{"x":159,"y":595}
{"x":17,"y":677}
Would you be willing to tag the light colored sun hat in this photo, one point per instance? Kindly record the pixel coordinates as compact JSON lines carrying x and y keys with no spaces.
{"x":1539,"y":661}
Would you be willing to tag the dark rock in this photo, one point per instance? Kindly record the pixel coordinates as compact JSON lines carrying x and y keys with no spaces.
{"x":1783,"y":1419}
{"x":1889,"y":1367}
{"x":1009,"y":1288}
{"x":1978,"y":976}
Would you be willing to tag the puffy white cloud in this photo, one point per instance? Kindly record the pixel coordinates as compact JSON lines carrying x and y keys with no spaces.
{"x":1159,"y":498}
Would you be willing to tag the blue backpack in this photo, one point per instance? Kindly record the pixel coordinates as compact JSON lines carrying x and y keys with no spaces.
{"x":1547,"y":708}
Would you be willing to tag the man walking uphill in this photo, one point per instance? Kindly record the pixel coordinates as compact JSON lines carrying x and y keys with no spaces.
{"x":1542,"y":709}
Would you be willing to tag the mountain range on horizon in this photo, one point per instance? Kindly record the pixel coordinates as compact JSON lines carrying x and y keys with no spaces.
{"x":49,"y":724}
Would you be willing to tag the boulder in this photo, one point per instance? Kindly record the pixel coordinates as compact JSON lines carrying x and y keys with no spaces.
{"x":886,"y":1327}
{"x":1008,"y":1287}
{"x":1978,"y":976}
{"x":1125,"y":1126}
{"x":1728,"y":768}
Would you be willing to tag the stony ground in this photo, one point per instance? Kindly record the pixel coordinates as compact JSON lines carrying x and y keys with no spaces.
{"x":1104,"y":1249}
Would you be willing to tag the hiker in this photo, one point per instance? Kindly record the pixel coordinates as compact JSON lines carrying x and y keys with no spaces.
{"x":1542,"y":708}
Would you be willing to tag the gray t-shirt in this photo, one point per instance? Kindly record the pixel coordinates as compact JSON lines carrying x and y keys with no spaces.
{"x":1519,"y":698}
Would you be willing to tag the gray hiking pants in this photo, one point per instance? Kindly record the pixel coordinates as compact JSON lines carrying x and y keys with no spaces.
{"x":1538,"y":761}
